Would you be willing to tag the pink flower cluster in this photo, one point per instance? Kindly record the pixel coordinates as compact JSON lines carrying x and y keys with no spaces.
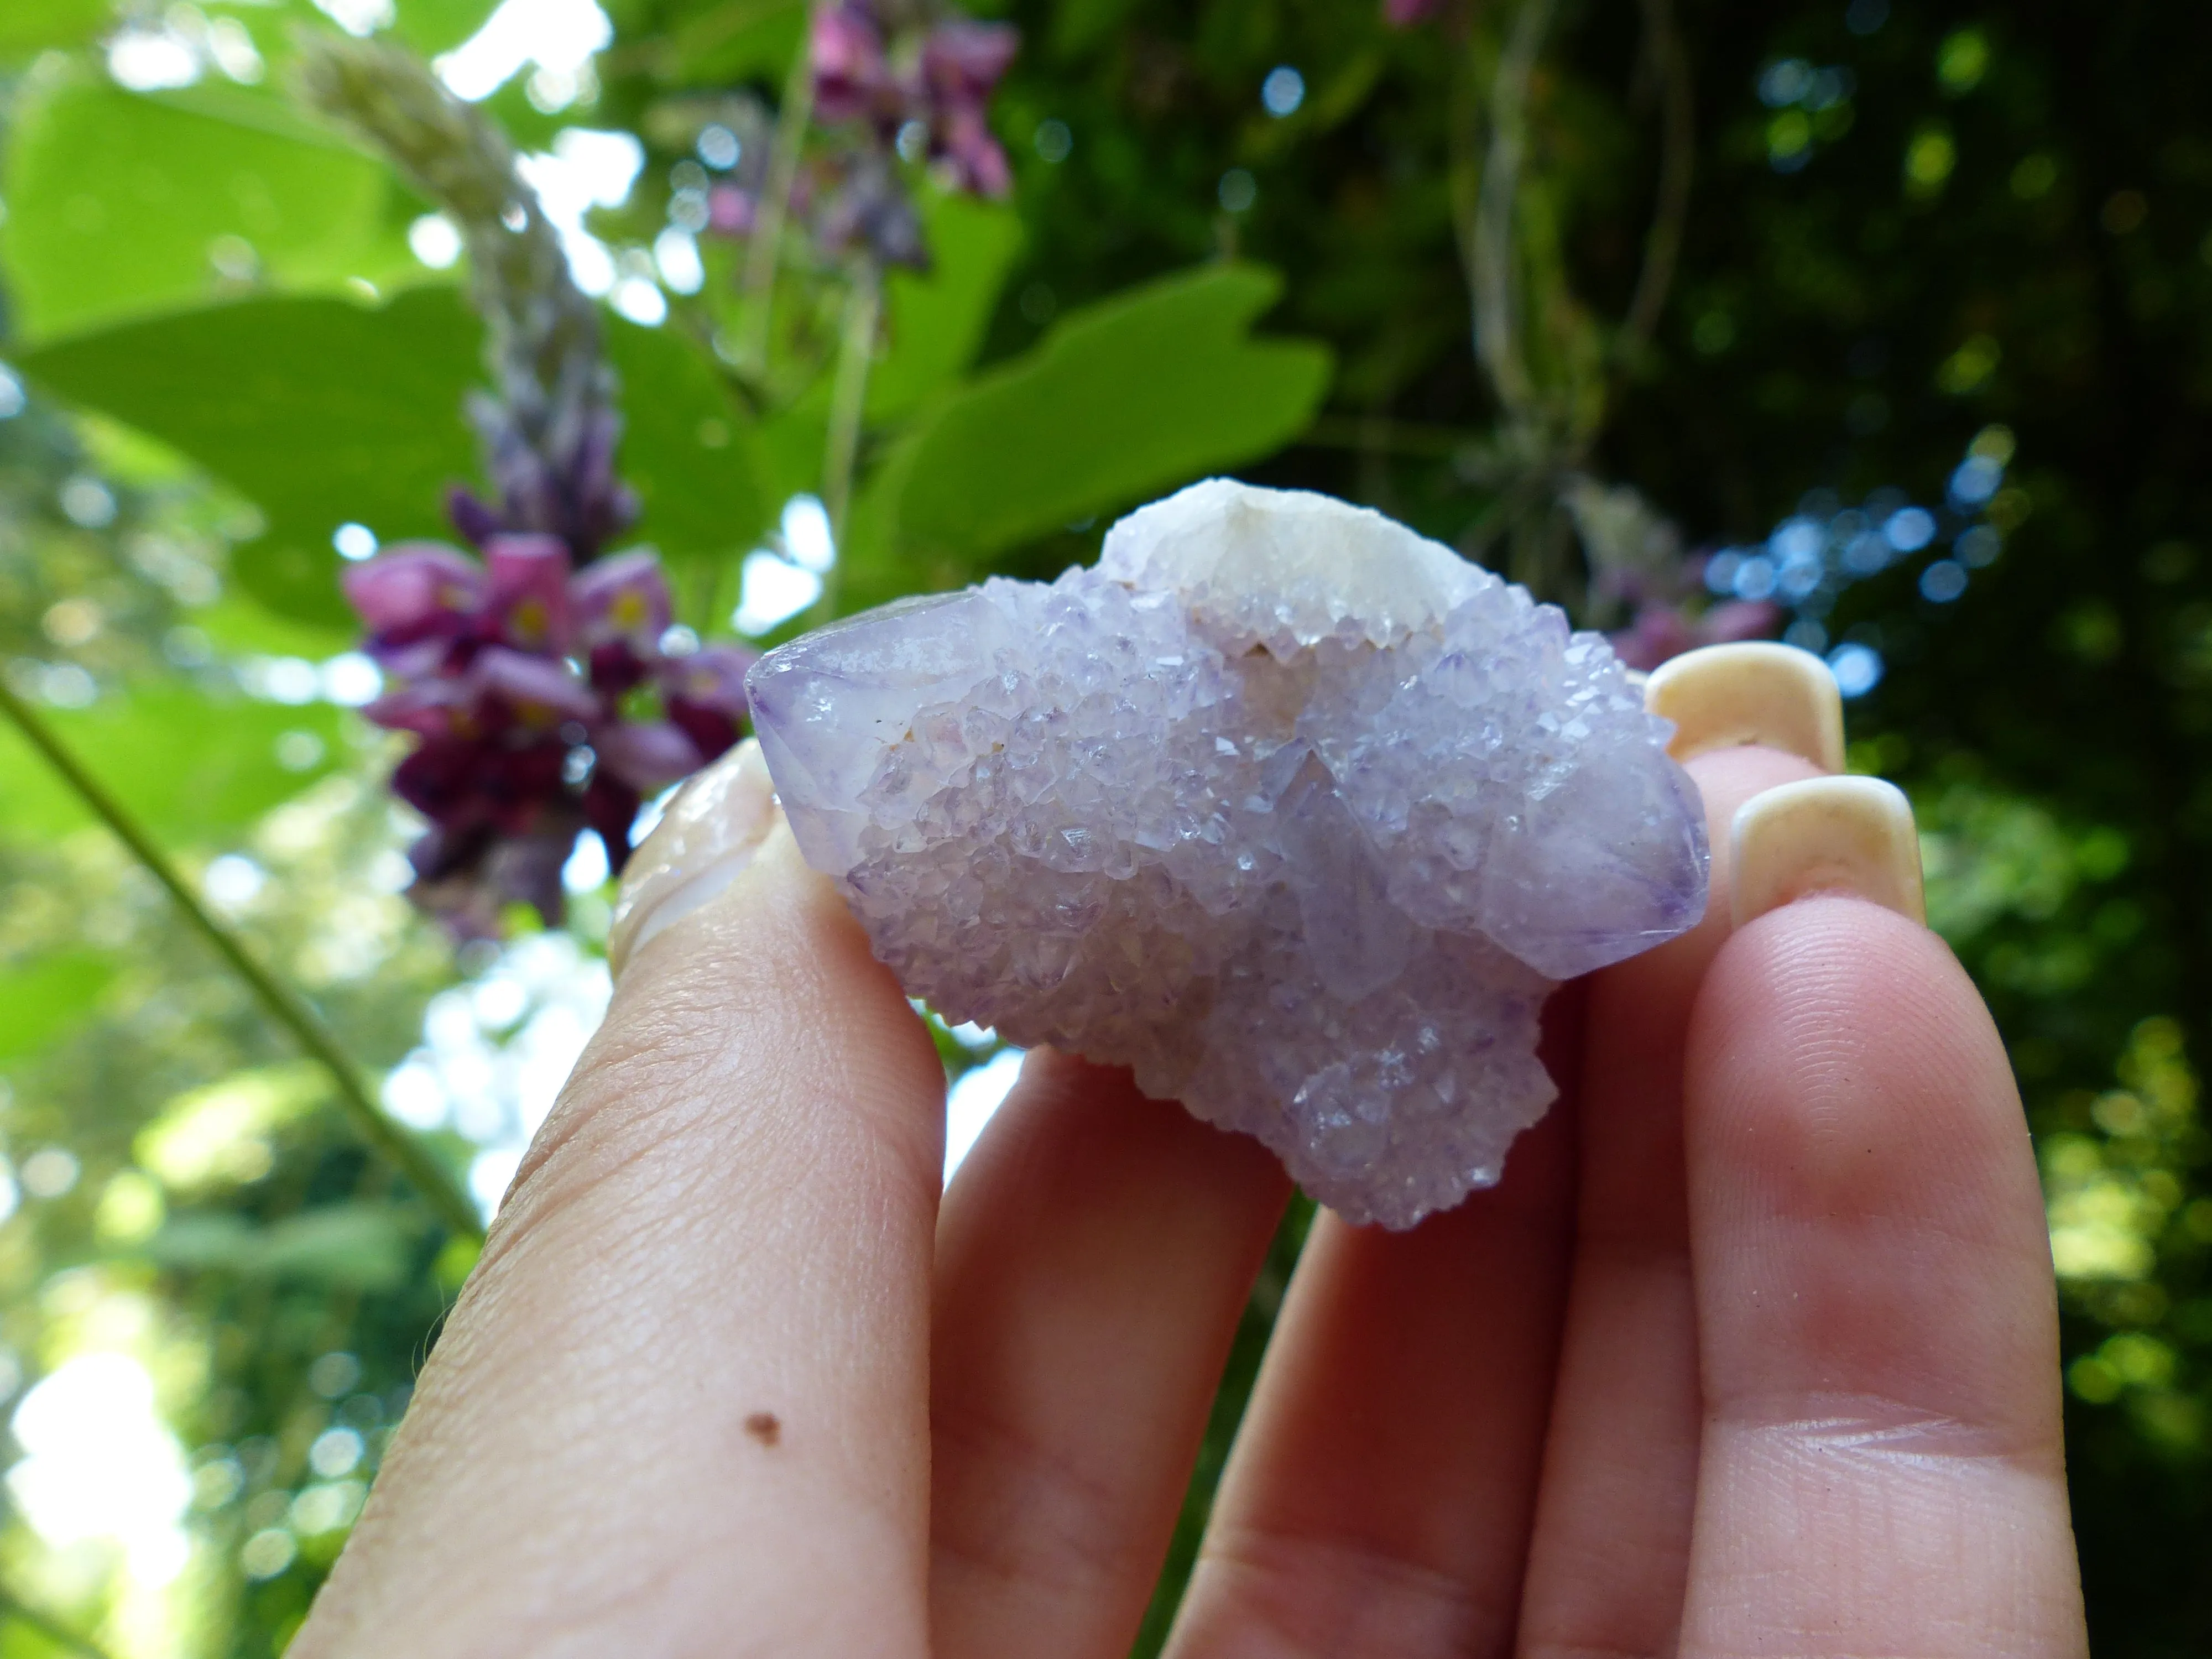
{"x":1660,"y":629}
{"x":940,"y":76}
{"x":544,"y":703}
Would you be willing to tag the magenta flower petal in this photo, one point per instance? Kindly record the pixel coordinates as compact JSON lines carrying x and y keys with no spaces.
{"x":1659,"y":632}
{"x":414,"y":588}
{"x":978,"y":164}
{"x":429,"y":708}
{"x":405,"y":661}
{"x":851,"y":74}
{"x":730,"y":211}
{"x":529,"y":591}
{"x":648,"y":756}
{"x":540,"y":689}
{"x":712,"y":677}
{"x":623,"y":598}
{"x":963,"y":59}
{"x":1738,"y":619}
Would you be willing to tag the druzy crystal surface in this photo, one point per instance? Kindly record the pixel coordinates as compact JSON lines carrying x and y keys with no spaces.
{"x":1296,"y":813}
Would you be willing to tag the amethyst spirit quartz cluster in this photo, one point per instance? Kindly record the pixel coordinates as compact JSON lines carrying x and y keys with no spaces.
{"x":1297,"y":814}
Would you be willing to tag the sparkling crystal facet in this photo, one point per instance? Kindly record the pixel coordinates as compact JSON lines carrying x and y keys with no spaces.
{"x":1296,"y":813}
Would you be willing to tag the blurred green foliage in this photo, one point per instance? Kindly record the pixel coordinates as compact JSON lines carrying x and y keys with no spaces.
{"x":1908,"y":221}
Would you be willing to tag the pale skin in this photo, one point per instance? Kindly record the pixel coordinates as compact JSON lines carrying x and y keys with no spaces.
{"x":1754,"y":1352}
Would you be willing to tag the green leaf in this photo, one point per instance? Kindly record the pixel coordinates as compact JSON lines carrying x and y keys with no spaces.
{"x":1123,"y":399}
{"x":221,"y":1132}
{"x":123,"y":204}
{"x":45,"y":998}
{"x":934,"y":321}
{"x":360,"y":1247}
{"x":29,"y":25}
{"x":191,"y":768}
{"x":687,"y":448}
{"x":726,"y":41}
{"x":323,"y":413}
{"x":238,"y":625}
{"x":436,"y":26}
{"x":319,"y":411}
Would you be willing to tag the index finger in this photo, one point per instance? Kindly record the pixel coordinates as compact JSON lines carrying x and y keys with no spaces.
{"x":1883,"y":1469}
{"x":685,"y":1393}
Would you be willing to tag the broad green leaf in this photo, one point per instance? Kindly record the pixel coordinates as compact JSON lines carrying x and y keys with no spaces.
{"x":933,"y":321}
{"x":29,"y":25}
{"x":238,"y":625}
{"x":687,"y":448}
{"x":1122,"y":400}
{"x":435,"y":26}
{"x":319,"y":411}
{"x":125,"y":205}
{"x":726,"y":41}
{"x":322,"y":413}
{"x":221,"y":1133}
{"x":190,"y":768}
{"x":45,"y":997}
{"x":362,"y":1246}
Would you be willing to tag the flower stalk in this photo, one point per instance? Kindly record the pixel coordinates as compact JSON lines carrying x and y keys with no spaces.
{"x":763,"y":257}
{"x":284,"y":1004}
{"x":849,"y":395}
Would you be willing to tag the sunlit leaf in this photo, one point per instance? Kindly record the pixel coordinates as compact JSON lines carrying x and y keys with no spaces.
{"x":220,"y":1133}
{"x":434,"y":26}
{"x":124,"y":204}
{"x":319,"y":411}
{"x":190,"y":768}
{"x":323,"y":413}
{"x":41,"y":999}
{"x":362,"y":1246}
{"x":29,"y":25}
{"x":933,"y":320}
{"x":1122,"y":400}
{"x":688,"y":449}
{"x":712,"y":43}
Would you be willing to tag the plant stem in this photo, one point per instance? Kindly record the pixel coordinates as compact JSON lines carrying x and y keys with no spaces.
{"x":1496,"y":311}
{"x":766,"y":251}
{"x":13,"y":1607}
{"x":1662,"y":248}
{"x":287,"y":1006}
{"x":849,"y":399}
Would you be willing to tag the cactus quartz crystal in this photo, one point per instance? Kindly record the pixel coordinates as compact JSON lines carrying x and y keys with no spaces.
{"x":1296,"y":813}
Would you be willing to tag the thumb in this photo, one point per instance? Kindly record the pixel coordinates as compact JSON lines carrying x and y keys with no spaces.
{"x":685,"y":1392}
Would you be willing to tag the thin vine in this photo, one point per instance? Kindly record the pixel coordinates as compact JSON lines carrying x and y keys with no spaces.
{"x":284,"y":1004}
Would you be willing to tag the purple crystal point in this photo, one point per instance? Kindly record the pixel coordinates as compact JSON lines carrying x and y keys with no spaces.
{"x":1296,"y":814}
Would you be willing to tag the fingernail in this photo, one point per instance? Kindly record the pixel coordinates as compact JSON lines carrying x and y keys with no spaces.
{"x":1724,"y":696}
{"x":1827,"y":835}
{"x":710,"y":832}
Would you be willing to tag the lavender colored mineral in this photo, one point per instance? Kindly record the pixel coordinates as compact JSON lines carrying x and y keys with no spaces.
{"x":1294,"y":813}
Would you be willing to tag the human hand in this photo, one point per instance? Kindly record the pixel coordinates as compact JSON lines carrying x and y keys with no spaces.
{"x":1753,"y":1350}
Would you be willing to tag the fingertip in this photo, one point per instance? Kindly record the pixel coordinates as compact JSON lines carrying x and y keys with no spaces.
{"x":1750,"y":692}
{"x":1861,"y":1170}
{"x":1851,"y":835}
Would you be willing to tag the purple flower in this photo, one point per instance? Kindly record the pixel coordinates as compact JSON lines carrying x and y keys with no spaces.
{"x":1405,"y":13}
{"x":732,"y":210}
{"x":962,"y":60}
{"x":964,"y":143}
{"x":939,"y":78}
{"x":532,"y":690}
